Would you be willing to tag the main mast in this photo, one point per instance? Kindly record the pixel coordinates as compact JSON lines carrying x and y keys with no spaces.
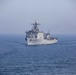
{"x":35,"y":27}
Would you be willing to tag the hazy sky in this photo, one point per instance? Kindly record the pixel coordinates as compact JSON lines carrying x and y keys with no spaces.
{"x":55,"y":16}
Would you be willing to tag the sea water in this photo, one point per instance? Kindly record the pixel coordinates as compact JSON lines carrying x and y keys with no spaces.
{"x":16,"y":58}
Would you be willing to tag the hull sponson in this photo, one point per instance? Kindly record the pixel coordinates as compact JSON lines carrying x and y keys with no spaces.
{"x":36,"y":41}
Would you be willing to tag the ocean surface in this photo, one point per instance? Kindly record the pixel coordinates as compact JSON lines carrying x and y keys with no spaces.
{"x":16,"y":58}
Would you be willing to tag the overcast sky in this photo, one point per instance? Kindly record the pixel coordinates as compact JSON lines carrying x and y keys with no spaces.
{"x":55,"y":16}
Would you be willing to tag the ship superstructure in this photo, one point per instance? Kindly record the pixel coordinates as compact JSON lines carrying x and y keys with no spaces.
{"x":37,"y":37}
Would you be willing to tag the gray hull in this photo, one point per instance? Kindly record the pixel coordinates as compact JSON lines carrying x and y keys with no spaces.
{"x":34,"y":41}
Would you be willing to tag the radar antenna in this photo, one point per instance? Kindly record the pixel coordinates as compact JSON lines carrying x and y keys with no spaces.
{"x":36,"y":23}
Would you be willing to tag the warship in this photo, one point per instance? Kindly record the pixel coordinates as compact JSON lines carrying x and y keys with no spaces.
{"x":37,"y":37}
